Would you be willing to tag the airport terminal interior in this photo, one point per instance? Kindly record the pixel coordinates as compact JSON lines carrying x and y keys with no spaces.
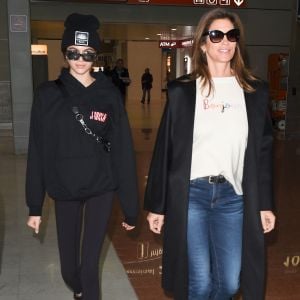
{"x":130,"y":264}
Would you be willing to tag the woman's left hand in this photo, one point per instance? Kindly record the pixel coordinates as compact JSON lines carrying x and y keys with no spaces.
{"x":127,"y":227}
{"x":267,"y":220}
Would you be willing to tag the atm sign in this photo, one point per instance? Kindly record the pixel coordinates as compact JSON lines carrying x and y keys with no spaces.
{"x":175,"y":43}
{"x":168,"y":44}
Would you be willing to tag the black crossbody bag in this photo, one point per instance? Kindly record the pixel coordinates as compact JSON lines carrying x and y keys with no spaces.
{"x":80,"y":118}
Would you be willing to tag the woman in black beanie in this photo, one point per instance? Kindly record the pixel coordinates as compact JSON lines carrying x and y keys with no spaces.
{"x":80,"y":153}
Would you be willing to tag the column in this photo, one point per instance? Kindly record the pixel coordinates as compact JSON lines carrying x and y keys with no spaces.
{"x":20,"y":70}
{"x":5,"y":96}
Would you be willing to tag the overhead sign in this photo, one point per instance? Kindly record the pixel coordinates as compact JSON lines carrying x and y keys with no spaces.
{"x":168,"y":44}
{"x":85,"y":1}
{"x":39,"y":49}
{"x":202,"y":3}
{"x":176,"y":43}
{"x":186,"y":43}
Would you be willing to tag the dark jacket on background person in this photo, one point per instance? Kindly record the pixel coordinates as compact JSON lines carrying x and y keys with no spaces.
{"x":146,"y":81}
{"x":168,"y":186}
{"x":66,"y":162}
{"x":116,"y":75}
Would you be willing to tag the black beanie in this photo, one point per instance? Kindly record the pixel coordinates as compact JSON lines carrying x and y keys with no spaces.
{"x":81,"y":30}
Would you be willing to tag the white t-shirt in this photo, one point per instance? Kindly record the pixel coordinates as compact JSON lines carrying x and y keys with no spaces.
{"x":220,"y":132}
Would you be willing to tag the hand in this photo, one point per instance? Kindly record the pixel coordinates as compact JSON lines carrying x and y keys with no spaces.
{"x":267,"y":220}
{"x":34,"y":222}
{"x":127,"y":227}
{"x":156,"y":222}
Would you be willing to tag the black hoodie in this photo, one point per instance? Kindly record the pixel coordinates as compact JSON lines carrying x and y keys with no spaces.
{"x":66,"y":162}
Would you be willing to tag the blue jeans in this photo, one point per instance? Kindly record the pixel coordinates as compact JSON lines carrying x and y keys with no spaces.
{"x":214,"y":238}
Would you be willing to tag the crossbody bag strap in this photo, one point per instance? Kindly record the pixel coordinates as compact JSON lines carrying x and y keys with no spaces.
{"x":80,"y":118}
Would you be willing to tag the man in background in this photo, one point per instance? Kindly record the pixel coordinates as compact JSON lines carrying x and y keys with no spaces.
{"x":146,"y":81}
{"x":120,"y":77}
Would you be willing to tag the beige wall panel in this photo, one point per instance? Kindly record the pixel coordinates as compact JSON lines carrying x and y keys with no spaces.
{"x":141,"y":55}
{"x":55,"y":57}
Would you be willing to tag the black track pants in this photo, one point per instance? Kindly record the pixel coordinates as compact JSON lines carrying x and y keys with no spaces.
{"x":80,"y":268}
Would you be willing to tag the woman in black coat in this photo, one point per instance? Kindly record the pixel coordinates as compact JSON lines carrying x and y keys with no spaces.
{"x":80,"y":153}
{"x":210,"y":180}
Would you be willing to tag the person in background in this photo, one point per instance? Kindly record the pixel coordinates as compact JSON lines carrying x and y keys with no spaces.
{"x":80,"y":153}
{"x":107,"y":70}
{"x":120,"y":77}
{"x":210,"y":180}
{"x":146,"y":81}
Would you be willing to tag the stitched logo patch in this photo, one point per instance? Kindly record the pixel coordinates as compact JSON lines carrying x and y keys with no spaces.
{"x":98,"y":116}
{"x":81,"y":38}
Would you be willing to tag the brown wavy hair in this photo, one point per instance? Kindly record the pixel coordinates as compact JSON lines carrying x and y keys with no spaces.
{"x":199,"y":62}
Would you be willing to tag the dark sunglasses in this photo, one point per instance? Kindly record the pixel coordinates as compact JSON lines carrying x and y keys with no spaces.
{"x":88,"y":56}
{"x":216,"y":36}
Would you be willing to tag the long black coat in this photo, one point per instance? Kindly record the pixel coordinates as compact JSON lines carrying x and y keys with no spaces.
{"x":168,"y":186}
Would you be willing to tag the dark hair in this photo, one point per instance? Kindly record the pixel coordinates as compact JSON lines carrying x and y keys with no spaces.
{"x":199,"y":62}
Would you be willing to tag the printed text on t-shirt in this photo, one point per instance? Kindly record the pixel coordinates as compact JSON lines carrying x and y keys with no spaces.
{"x":222,"y":106}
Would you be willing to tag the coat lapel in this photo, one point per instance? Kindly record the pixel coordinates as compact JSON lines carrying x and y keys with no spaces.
{"x":249,"y":155}
{"x":190,"y":90}
{"x":183,"y":112}
{"x":189,"y":117}
{"x":249,"y":108}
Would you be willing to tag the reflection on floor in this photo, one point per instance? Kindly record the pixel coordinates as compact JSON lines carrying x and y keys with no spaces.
{"x":29,"y":265}
{"x":142,"y":255}
{"x":141,"y":251}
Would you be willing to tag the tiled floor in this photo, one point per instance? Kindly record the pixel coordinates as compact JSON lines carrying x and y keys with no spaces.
{"x":29,"y":264}
{"x":131,"y":262}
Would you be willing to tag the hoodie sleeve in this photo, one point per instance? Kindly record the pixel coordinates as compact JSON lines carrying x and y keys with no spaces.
{"x":126,"y":169}
{"x":35,"y":188}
